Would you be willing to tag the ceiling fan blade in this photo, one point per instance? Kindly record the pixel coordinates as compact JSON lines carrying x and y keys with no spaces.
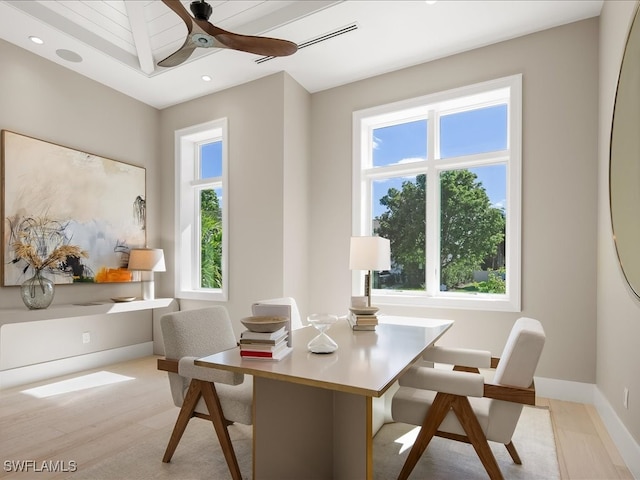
{"x":179,"y":56}
{"x":187,"y":48}
{"x":269,"y":47}
{"x":266,"y":46}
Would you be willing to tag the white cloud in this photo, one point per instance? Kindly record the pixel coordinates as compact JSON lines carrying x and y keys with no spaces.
{"x":411,"y":160}
{"x":500,"y":204}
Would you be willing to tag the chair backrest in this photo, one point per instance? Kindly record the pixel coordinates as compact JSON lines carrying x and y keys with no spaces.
{"x":517,"y":366}
{"x":194,"y":333}
{"x":296,"y":321}
{"x":521,"y":353}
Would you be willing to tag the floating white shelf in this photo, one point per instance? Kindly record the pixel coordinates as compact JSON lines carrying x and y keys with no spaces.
{"x":80,"y":309}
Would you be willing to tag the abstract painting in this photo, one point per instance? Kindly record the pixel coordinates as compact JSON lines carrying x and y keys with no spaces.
{"x":54,"y":195}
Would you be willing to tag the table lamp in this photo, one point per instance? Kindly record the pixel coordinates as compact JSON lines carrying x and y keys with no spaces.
{"x":369,"y":253}
{"x":147,"y":261}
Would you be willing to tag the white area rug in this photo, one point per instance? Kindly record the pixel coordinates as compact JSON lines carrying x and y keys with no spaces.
{"x":199,"y":457}
{"x":449,"y":460}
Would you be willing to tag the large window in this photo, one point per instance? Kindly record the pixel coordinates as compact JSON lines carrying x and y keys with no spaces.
{"x":201,"y":211}
{"x":439,"y":176}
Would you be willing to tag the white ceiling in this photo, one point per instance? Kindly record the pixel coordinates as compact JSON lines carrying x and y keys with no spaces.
{"x":120,"y":41}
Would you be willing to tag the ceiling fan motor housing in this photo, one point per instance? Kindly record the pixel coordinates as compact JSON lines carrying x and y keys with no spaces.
{"x":201,"y":9}
{"x":202,"y":40}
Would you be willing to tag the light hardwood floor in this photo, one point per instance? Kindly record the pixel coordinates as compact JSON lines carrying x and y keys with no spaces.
{"x":583,"y":445}
{"x":93,"y":424}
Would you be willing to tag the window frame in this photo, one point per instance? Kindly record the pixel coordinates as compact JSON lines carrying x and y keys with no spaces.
{"x":188,"y":186}
{"x":431,"y":107}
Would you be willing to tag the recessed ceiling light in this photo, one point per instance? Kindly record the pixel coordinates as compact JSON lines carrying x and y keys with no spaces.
{"x":36,"y":40}
{"x":430,"y":2}
{"x":206,"y":78}
{"x":68,"y":55}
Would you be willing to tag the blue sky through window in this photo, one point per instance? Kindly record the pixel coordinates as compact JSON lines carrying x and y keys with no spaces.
{"x":211,"y":160}
{"x":473,"y":131}
{"x":400,"y":143}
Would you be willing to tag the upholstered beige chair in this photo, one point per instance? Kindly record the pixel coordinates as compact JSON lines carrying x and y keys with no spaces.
{"x":218,"y":396}
{"x":461,"y":405}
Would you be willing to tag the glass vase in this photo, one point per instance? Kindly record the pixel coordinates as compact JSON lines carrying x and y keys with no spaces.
{"x":37,"y":292}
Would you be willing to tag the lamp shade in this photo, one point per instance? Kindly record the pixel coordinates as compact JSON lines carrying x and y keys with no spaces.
{"x":370,"y":253}
{"x":147,"y":259}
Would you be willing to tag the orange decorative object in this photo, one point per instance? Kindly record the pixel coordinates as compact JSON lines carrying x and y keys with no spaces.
{"x":113,"y":275}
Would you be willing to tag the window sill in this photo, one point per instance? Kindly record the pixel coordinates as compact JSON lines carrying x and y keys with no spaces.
{"x":211,"y":296}
{"x":482,"y":302}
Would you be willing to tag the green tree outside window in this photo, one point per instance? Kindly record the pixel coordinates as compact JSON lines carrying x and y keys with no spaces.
{"x":210,"y":240}
{"x":472,"y":232}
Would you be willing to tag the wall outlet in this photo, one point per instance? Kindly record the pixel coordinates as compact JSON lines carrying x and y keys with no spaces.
{"x":625,"y":397}
{"x":86,"y":337}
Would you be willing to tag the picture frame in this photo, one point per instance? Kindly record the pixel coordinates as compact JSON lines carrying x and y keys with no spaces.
{"x":54,"y":195}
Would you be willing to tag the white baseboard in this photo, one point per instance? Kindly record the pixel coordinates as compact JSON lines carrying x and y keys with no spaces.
{"x":589,"y":393}
{"x":565,"y":390}
{"x":627,"y":446}
{"x":42,"y":371}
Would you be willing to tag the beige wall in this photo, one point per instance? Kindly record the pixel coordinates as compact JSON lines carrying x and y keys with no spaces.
{"x":44,"y":100}
{"x":560,"y":87}
{"x":297,"y":131}
{"x":267,"y":171}
{"x":618,"y":320}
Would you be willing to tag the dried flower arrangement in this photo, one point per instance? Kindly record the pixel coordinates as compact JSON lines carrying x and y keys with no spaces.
{"x":54,"y":260}
{"x":43,"y":247}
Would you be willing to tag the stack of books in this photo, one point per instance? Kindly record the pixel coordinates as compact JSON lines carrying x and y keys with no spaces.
{"x":362,"y":321}
{"x":266,"y":346}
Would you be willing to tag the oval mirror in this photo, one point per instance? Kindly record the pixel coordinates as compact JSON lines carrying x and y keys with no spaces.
{"x":624,"y":162}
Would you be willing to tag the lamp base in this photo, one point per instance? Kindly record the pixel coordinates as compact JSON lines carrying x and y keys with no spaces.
{"x":148,"y":287}
{"x":368,"y":280}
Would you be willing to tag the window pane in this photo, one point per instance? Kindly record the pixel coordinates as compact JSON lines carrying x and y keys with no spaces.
{"x":472,"y":229}
{"x":406,"y":142}
{"x":211,"y":160}
{"x":211,"y":238}
{"x":473,"y":131}
{"x":401,"y":217}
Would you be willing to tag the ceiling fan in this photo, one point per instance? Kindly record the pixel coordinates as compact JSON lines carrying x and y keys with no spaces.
{"x":201,"y":33}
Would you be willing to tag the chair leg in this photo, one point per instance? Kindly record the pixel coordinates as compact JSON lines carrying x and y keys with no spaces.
{"x":186,"y":412}
{"x":472,"y":428}
{"x":513,"y":452}
{"x":432,"y":420}
{"x":219,"y":422}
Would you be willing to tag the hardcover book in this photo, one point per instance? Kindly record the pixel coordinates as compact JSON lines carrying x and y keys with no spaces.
{"x":279,"y":355}
{"x":265,"y":337}
{"x":263,"y":347}
{"x":355,"y":325}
